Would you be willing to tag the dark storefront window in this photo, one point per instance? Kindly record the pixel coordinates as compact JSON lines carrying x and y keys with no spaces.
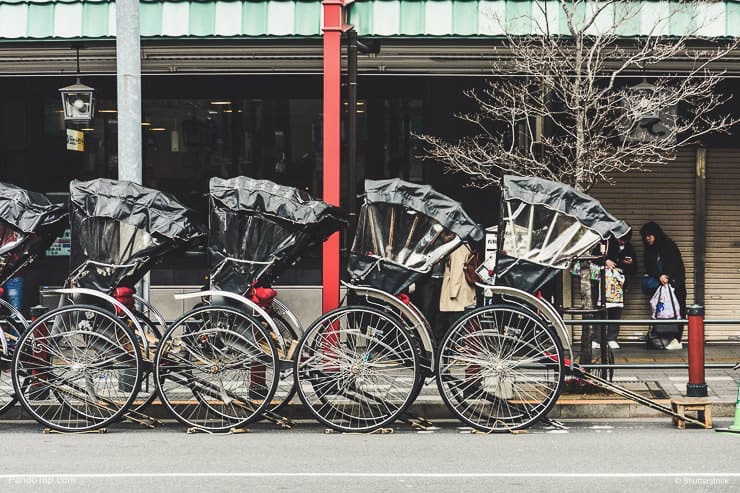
{"x":385,"y":143}
{"x":266,"y":130}
{"x":186,"y":140}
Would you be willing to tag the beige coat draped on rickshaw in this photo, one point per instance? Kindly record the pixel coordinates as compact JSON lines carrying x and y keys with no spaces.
{"x":456,"y":293}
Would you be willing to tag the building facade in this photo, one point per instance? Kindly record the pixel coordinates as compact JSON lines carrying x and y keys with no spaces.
{"x":235,"y":87}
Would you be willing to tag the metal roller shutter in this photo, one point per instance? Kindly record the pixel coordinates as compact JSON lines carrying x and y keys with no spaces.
{"x":664,"y":195}
{"x":723,"y":242}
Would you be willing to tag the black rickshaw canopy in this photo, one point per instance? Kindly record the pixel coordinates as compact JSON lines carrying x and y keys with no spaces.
{"x":567,"y":200}
{"x":26,"y":210}
{"x":424,"y":199}
{"x":544,"y":226}
{"x":258,"y":228}
{"x":151,"y":210}
{"x":29,"y":224}
{"x":294,"y":208}
{"x":119,"y":229}
{"x":403,"y":230}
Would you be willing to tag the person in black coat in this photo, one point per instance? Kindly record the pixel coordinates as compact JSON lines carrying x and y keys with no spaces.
{"x":663,"y":261}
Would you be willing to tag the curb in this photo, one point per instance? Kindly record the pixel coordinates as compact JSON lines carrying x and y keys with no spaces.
{"x":587,"y":409}
{"x":563,"y":409}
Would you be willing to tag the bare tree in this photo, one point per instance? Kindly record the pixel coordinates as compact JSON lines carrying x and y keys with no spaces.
{"x":567,"y":106}
{"x":560,"y":106}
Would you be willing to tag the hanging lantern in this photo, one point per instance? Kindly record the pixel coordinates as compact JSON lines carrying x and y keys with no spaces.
{"x":642,"y":96}
{"x":646,"y":115}
{"x":78,"y":102}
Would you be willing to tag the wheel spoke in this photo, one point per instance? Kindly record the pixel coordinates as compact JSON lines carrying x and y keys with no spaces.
{"x":77,"y":368}
{"x":357,"y":369}
{"x":495,"y":369}
{"x":216,"y":368}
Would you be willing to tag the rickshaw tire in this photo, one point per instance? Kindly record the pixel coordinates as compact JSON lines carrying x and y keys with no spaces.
{"x":308,"y":340}
{"x":21,"y":381}
{"x":188,"y":382}
{"x":148,"y":371}
{"x":476,"y":384}
{"x":284,"y":400}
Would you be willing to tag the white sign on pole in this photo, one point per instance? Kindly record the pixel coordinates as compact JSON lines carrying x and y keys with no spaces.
{"x":485,"y":272}
{"x":75,"y":140}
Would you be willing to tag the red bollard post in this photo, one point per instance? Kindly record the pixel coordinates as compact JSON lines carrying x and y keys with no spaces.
{"x":697,"y":386}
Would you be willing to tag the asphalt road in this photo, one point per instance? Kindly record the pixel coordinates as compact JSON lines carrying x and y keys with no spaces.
{"x":627,"y":455}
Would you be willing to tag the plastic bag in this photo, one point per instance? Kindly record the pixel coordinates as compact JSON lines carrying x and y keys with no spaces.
{"x":665,"y":303}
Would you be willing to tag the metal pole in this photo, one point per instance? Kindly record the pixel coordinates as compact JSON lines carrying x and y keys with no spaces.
{"x":697,"y":386}
{"x":352,"y":130}
{"x":334,"y":25}
{"x":700,"y":225}
{"x":128,"y":78}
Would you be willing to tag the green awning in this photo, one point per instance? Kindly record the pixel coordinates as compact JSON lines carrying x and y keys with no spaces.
{"x":495,"y":17}
{"x":95,"y":19}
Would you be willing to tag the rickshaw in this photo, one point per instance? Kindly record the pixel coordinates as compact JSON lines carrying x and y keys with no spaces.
{"x":81,"y":366}
{"x":29,"y":224}
{"x":359,"y":367}
{"x":228,"y":362}
{"x":499,"y":367}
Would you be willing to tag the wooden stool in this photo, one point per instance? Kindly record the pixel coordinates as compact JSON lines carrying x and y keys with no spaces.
{"x":702,"y":406}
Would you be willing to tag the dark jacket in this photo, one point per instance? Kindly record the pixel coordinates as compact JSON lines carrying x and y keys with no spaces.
{"x":617,"y":256}
{"x":664,"y":257}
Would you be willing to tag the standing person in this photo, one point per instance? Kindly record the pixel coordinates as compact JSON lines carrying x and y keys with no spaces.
{"x":664,"y":264}
{"x":456,"y":294}
{"x":621,"y":262}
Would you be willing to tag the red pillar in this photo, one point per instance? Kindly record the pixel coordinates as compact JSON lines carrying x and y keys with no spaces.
{"x":335,"y":16}
{"x":697,"y":386}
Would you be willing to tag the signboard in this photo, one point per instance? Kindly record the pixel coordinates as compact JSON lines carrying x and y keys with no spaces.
{"x":485,"y":271}
{"x":75,"y":140}
{"x":491,"y":238}
{"x":62,"y":246}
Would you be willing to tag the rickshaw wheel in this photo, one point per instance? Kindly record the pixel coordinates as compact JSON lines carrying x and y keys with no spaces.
{"x":216,"y":368}
{"x":286,"y":383}
{"x":500,"y":368}
{"x":7,"y":393}
{"x":77,"y":368}
{"x":357,"y":368}
{"x":148,"y":390}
